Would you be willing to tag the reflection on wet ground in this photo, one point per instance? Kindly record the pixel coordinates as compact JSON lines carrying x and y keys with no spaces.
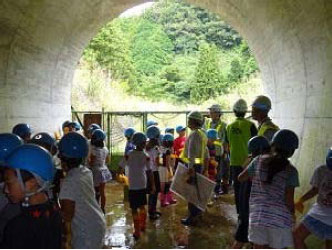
{"x":213,"y":231}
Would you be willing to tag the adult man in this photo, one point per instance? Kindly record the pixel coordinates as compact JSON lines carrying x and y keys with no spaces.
{"x":239,"y":133}
{"x":221,"y":153}
{"x":260,"y":109}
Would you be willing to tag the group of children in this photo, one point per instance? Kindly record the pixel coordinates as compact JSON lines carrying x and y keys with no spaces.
{"x":53,"y":193}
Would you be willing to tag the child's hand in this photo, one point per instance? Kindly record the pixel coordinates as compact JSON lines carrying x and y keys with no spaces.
{"x":299,"y":206}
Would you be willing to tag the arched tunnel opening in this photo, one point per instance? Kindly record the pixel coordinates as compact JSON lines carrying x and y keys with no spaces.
{"x":41,"y":43}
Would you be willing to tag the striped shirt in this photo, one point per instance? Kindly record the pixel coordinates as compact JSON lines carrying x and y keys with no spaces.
{"x":267,"y":200}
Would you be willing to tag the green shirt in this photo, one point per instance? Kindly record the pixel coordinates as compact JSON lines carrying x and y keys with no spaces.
{"x":239,"y":133}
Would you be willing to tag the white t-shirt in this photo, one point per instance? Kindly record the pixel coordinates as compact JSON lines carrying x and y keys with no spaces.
{"x":100,"y":156}
{"x":322,"y":209}
{"x":153,"y":155}
{"x":88,"y":224}
{"x":137,"y":162}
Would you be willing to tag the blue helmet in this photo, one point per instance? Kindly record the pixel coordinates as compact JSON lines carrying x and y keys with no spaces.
{"x":169,"y":130}
{"x":93,"y":126}
{"x":329,"y":159}
{"x":98,"y":134}
{"x":138,"y":138}
{"x":179,"y":128}
{"x":168,"y":138}
{"x":73,"y":145}
{"x":66,"y":124}
{"x":8,"y":142}
{"x":44,"y":140}
{"x":258,"y":144}
{"x":22,"y":130}
{"x":128,"y":132}
{"x":151,"y":123}
{"x":286,"y":140}
{"x":75,"y":125}
{"x":33,"y":159}
{"x":153,"y":132}
{"x":212,"y":134}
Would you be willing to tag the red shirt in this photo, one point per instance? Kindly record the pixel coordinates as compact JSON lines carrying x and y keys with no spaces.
{"x":179,"y":145}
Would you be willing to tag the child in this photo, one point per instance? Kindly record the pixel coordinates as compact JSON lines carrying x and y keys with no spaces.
{"x":318,"y":220}
{"x":256,"y":146}
{"x":166,"y":170}
{"x":23,"y":130}
{"x":179,"y":143}
{"x":98,"y":160}
{"x":212,"y":135}
{"x":48,"y":142}
{"x":8,"y":142}
{"x":92,"y":127}
{"x":152,"y":148}
{"x":28,"y":173}
{"x":169,"y":130}
{"x":272,"y":193}
{"x":138,"y":163}
{"x":84,"y":221}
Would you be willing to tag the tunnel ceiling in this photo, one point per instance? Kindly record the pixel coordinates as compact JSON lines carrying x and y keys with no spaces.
{"x":42,"y":41}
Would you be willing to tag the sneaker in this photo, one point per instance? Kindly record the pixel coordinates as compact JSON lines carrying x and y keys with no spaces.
{"x":154,"y":216}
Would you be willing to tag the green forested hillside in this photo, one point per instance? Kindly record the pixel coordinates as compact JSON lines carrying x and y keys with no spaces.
{"x":174,"y":52}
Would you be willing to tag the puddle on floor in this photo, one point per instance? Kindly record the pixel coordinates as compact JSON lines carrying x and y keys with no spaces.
{"x":214,"y":230}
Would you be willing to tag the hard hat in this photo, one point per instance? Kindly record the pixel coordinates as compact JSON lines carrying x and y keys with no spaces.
{"x":258,"y":144}
{"x":169,"y":130}
{"x":43,"y":140}
{"x":195,"y":115}
{"x":240,"y":106}
{"x":215,"y":108}
{"x":179,"y":129}
{"x":73,"y":145}
{"x":98,"y":134}
{"x":33,"y":159}
{"x":8,"y":142}
{"x":262,"y":102}
{"x":92,"y":127}
{"x":212,"y":134}
{"x":329,"y":159}
{"x":168,"y":138}
{"x":138,"y":138}
{"x":153,"y":132}
{"x":75,"y":125}
{"x":286,"y":140}
{"x":151,"y":123}
{"x":22,"y":130}
{"x":66,"y":124}
{"x":128,"y":132}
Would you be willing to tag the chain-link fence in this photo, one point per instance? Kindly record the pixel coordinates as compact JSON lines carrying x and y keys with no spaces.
{"x":114,"y":124}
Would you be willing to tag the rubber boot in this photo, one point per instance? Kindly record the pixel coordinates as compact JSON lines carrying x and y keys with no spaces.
{"x":137,"y":227}
{"x":170,"y":198}
{"x":163,"y":200}
{"x":143,"y":221}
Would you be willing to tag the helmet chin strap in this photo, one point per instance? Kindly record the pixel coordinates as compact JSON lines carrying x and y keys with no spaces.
{"x":44,"y":185}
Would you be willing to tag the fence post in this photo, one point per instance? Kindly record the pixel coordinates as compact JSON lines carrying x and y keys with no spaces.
{"x":108,"y":132}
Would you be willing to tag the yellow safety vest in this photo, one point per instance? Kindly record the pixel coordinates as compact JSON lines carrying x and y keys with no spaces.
{"x":266,"y":126}
{"x":221,"y":126}
{"x":184,"y":156}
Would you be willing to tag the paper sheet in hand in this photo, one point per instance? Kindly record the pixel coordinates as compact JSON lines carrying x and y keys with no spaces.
{"x":198,"y":195}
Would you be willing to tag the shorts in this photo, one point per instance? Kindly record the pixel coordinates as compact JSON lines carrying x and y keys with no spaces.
{"x":273,"y":237}
{"x":137,"y":198}
{"x":101,"y":175}
{"x":318,"y":228}
{"x":163,"y":174}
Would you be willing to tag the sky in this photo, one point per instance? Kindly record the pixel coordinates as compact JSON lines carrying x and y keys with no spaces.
{"x":137,"y":10}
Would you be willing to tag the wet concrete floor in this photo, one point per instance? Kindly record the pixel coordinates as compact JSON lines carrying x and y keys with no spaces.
{"x":213,"y":231}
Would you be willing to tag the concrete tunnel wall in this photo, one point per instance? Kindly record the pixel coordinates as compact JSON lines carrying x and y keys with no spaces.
{"x":42,"y":41}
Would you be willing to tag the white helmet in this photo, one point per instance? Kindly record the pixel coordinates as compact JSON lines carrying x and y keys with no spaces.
{"x":195,"y":115}
{"x":215,"y":108}
{"x":240,"y":106}
{"x":262,"y":102}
